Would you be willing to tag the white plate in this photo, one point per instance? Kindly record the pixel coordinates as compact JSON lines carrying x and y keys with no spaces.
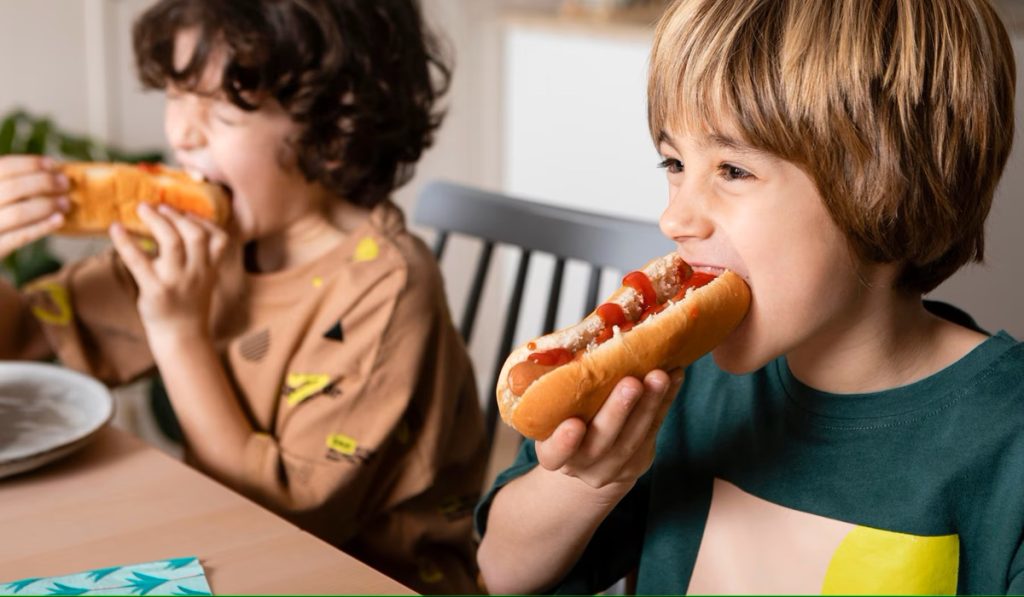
{"x":47,"y":412}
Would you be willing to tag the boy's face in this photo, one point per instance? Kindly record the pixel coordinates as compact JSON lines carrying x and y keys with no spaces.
{"x":731,"y":206}
{"x":245,"y":151}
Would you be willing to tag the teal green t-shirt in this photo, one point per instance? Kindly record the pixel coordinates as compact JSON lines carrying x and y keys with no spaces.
{"x":761,"y":484}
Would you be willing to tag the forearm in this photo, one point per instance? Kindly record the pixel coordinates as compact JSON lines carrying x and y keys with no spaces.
{"x":538,"y":527}
{"x":212,"y":421}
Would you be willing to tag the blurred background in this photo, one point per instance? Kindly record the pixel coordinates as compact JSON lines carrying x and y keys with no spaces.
{"x":547,"y":103}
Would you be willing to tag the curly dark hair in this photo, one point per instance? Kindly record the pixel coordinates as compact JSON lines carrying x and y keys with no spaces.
{"x":360,"y":78}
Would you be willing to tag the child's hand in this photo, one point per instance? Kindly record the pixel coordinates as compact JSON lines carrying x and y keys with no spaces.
{"x":175,"y":286}
{"x":618,"y":445}
{"x":33,"y":200}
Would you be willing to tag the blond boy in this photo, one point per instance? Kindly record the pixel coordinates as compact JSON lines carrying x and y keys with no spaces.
{"x":842,"y":157}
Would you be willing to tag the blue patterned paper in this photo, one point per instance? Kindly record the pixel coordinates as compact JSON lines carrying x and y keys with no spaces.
{"x":177,"y":576}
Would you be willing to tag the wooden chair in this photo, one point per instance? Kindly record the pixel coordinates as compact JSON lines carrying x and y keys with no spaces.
{"x":602,"y":241}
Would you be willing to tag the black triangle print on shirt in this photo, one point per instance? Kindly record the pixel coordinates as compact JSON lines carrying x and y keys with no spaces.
{"x":335,"y":333}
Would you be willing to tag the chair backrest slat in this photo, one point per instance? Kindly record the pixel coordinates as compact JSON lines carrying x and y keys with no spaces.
{"x":553,"y":295}
{"x":483,"y":264}
{"x":593,"y":286}
{"x":508,"y":333}
{"x":439,"y":243}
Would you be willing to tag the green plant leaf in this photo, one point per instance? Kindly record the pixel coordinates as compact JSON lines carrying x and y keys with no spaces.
{"x":37,"y":139}
{"x":7,"y":129}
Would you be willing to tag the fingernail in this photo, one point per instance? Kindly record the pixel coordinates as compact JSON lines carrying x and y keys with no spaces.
{"x":63,"y":182}
{"x":631,"y":393}
{"x":657,"y":384}
{"x":47,"y":163}
{"x":64,"y":204}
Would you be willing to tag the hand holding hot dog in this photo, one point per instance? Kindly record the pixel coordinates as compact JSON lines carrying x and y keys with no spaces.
{"x":617,"y":446}
{"x":33,"y":200}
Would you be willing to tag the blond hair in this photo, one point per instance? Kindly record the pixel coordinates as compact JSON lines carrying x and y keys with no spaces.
{"x":901,"y":111}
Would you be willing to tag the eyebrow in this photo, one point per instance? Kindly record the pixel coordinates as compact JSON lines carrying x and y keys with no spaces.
{"x":716,"y":140}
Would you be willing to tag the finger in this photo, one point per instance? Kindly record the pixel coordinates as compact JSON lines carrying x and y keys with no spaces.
{"x":218,"y":237}
{"x":165,"y":235}
{"x":611,"y":418}
{"x":134,"y":259}
{"x":17,"y":165}
{"x":675,"y":383}
{"x":218,"y":245}
{"x":27,"y":212}
{"x":12,"y":241}
{"x":194,"y":238}
{"x":32,"y":184}
{"x":640,"y":426}
{"x":554,"y":452}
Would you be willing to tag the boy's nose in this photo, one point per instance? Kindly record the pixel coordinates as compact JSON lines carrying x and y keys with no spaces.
{"x":684,"y":218}
{"x":184,"y":128}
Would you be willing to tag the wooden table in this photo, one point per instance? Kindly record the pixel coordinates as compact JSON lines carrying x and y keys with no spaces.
{"x":120,"y":501}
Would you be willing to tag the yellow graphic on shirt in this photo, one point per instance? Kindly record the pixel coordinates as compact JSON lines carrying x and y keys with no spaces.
{"x":300,"y":386}
{"x":429,"y":571}
{"x":58,"y":309}
{"x":753,"y":546}
{"x":873,"y":561}
{"x":366,"y":250}
{"x":342,"y":444}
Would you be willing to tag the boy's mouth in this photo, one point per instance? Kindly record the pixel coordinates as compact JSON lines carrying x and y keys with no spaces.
{"x":708,"y":269}
{"x":200,"y":176}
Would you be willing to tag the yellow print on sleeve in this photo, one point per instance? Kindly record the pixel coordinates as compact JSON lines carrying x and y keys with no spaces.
{"x":50,"y":303}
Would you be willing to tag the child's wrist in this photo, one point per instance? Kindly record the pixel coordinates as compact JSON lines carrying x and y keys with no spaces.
{"x":172,"y":337}
{"x":606,"y":495}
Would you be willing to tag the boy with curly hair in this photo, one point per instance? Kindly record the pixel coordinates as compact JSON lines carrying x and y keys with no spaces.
{"x":308,"y":352}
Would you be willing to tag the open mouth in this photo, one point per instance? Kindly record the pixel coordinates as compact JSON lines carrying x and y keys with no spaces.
{"x":708,"y":269}
{"x":200,"y":176}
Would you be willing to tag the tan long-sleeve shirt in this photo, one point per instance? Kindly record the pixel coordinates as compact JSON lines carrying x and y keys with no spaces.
{"x":359,"y":389}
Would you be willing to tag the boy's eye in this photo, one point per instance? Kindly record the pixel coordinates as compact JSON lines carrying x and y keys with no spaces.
{"x":730,"y":172}
{"x":225,"y":115}
{"x":673,"y":165}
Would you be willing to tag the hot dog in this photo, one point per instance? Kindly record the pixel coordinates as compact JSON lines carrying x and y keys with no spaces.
{"x":104,"y":193}
{"x":664,"y":316}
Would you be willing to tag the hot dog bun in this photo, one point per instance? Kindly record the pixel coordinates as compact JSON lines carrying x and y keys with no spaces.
{"x":688,"y":322}
{"x":103,"y":193}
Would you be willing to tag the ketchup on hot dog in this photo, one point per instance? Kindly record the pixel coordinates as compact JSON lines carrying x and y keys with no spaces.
{"x":612,"y":314}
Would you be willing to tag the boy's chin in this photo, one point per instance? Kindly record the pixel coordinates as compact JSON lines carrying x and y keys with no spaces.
{"x":738,"y":361}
